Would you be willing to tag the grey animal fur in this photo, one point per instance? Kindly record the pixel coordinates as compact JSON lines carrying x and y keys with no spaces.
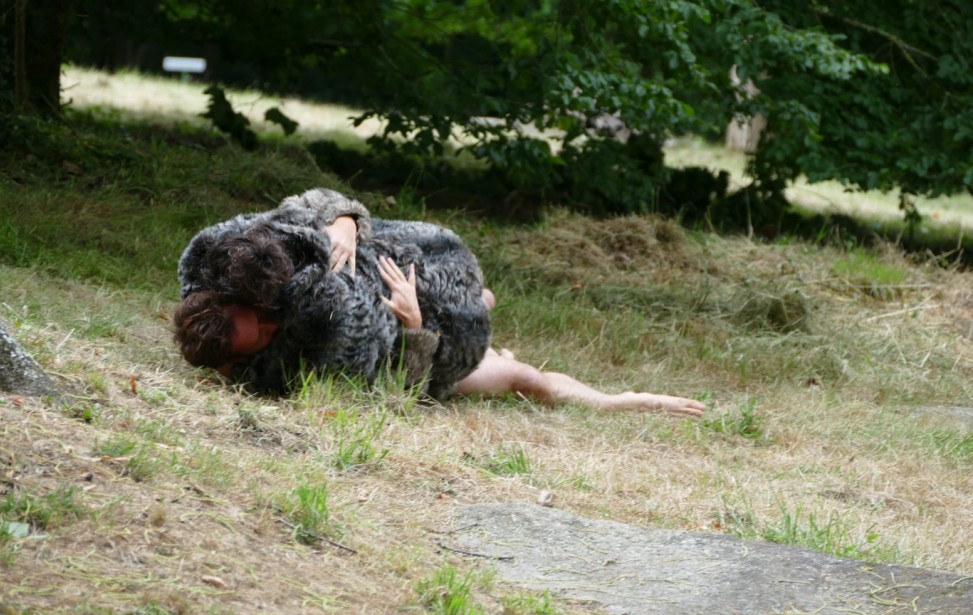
{"x":333,"y":322}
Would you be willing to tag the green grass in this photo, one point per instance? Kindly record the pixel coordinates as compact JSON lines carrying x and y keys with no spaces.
{"x":308,"y":511}
{"x":744,"y":422}
{"x":50,"y":510}
{"x":529,"y":604}
{"x":507,"y":462}
{"x":136,"y":458}
{"x":142,"y":194}
{"x":831,"y":535}
{"x":448,"y":592}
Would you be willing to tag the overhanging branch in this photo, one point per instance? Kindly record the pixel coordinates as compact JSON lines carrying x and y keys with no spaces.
{"x":905,"y":48}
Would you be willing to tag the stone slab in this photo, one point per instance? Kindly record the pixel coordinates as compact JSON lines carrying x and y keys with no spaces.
{"x":628,"y":570}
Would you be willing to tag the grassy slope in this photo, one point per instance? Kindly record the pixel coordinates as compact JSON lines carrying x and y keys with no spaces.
{"x":157,"y":490}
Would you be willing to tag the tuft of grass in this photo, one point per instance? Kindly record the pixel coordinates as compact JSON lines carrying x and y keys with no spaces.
{"x":308,"y":512}
{"x":354,"y":433}
{"x":137,"y":458}
{"x":351,"y":413}
{"x":953,"y":444}
{"x":51,"y":510}
{"x":832,"y":536}
{"x":152,"y":609}
{"x":157,"y":431}
{"x":529,"y":604}
{"x":447,"y":592}
{"x":864,"y":271}
{"x":781,"y":312}
{"x":84,"y":411}
{"x":743,"y":422}
{"x":205,"y":463}
{"x":248,"y":418}
{"x":507,"y":462}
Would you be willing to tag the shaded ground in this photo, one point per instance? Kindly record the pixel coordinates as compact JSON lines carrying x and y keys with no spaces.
{"x":625,"y":569}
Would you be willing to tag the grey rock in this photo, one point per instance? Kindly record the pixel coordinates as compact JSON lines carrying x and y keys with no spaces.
{"x":628,"y":570}
{"x":19,"y":372}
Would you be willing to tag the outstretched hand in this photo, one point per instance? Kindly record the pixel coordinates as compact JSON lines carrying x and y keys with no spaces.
{"x":343,"y":233}
{"x":678,"y":406}
{"x":403,"y":301}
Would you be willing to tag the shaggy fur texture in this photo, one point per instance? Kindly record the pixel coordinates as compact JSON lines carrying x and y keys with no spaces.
{"x":335,"y":323}
{"x":296,"y":223}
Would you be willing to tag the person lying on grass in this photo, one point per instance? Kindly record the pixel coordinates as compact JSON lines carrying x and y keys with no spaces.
{"x":235,"y":327}
{"x":244,"y":331}
{"x":297,"y":265}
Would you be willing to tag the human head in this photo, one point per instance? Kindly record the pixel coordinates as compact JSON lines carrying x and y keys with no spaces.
{"x":214,"y":333}
{"x":204,"y":330}
{"x":251,"y":268}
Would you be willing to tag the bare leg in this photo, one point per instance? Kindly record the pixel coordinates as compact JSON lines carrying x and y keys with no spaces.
{"x":497,"y":375}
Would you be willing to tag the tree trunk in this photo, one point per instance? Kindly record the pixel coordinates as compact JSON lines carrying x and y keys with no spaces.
{"x":47,"y":29}
{"x":6,"y":56}
{"x":743,"y":132}
{"x":32,"y":38}
{"x":19,"y":372}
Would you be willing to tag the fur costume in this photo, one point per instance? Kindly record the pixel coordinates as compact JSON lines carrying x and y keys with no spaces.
{"x":336,"y":323}
{"x":297,"y":218}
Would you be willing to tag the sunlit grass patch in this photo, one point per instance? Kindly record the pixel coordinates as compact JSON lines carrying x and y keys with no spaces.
{"x":354,"y":432}
{"x":940,"y":215}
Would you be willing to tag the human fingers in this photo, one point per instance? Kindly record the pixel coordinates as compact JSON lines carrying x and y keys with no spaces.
{"x":412,"y":274}
{"x":351,"y":262}
{"x":690,"y":412}
{"x":387,"y":265}
{"x":681,"y":406}
{"x":340,"y":259}
{"x":390,"y":273}
{"x":383,"y":273}
{"x":384,"y":267}
{"x":691,"y":408}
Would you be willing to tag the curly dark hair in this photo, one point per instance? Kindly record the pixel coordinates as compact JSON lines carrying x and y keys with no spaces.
{"x":250,"y":269}
{"x":204,"y":329}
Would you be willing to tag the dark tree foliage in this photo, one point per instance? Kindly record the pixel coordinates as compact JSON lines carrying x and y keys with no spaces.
{"x":876,"y":95}
{"x":220,"y":112}
{"x":908,"y":126}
